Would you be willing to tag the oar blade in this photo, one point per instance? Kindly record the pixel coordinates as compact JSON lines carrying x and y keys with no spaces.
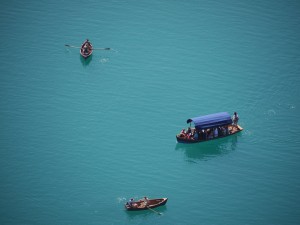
{"x":71,"y":46}
{"x":154,"y":211}
{"x":101,"y":48}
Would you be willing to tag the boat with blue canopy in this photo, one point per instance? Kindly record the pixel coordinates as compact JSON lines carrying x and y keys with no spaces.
{"x":208,"y":127}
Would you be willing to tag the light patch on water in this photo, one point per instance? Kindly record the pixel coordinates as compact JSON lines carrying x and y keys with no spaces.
{"x":114,"y":50}
{"x":190,"y":161}
{"x":271,"y":112}
{"x":292,"y":107}
{"x":104,"y":60}
{"x":121,"y":199}
{"x":248,"y":132}
{"x":286,"y":106}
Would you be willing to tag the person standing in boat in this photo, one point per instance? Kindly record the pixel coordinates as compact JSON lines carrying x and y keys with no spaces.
{"x":235,"y":119}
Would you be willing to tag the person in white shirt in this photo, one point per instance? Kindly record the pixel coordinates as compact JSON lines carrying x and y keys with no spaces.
{"x":216,"y":133}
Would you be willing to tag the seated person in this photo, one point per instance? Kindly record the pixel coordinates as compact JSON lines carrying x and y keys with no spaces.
{"x":182,"y":133}
{"x":223,"y":131}
{"x":146,"y":200}
{"x":204,"y":134}
{"x":196,"y":135}
{"x":130,"y":202}
{"x":216,"y":132}
{"x":189,"y":135}
{"x":209,"y":134}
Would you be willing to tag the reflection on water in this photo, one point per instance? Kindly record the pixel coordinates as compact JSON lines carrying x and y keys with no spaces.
{"x":142,"y":214}
{"x":209,"y":149}
{"x":86,"y":62}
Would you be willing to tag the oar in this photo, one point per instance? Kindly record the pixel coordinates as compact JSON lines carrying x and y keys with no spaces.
{"x":101,"y":48}
{"x":154,"y":210}
{"x":71,"y":46}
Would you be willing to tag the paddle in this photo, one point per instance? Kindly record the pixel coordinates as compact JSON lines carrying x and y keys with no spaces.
{"x":154,"y":210}
{"x":101,"y":48}
{"x":71,"y":46}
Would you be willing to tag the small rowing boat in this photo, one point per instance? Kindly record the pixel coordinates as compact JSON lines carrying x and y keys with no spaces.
{"x":209,"y":127}
{"x":86,"y":49}
{"x":143,"y":204}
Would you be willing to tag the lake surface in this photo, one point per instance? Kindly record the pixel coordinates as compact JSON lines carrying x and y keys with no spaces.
{"x":79,"y":138}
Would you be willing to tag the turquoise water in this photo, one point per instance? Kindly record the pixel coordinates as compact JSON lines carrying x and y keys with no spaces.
{"x":78,"y":138}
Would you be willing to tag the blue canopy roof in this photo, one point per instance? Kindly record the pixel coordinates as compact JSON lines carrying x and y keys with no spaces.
{"x":211,"y":121}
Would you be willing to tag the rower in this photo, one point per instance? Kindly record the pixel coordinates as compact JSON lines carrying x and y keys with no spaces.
{"x":130,"y":202}
{"x":146,"y":200}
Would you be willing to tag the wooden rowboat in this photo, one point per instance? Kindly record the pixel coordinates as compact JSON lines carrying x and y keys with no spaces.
{"x":86,"y":49}
{"x":143,"y":205}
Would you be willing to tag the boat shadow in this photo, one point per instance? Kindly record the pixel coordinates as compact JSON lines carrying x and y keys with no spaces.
{"x":145,"y":213}
{"x":87,"y":61}
{"x":209,"y":149}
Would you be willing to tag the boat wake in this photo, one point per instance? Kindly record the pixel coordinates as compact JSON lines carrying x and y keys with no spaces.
{"x":104,"y":60}
{"x":121,"y":199}
{"x":271,"y":112}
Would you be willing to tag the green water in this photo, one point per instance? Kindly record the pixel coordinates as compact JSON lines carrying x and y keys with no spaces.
{"x":79,"y":138}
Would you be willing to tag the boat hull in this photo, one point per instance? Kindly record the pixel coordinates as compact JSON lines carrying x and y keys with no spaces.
{"x":141,"y":205}
{"x":83,"y":53}
{"x":185,"y":140}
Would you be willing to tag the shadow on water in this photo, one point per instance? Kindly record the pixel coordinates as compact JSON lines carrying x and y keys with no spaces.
{"x":209,"y":149}
{"x":145,"y":213}
{"x":86,"y":62}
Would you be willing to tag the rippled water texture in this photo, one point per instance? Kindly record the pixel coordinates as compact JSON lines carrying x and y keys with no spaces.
{"x":78,"y":137}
